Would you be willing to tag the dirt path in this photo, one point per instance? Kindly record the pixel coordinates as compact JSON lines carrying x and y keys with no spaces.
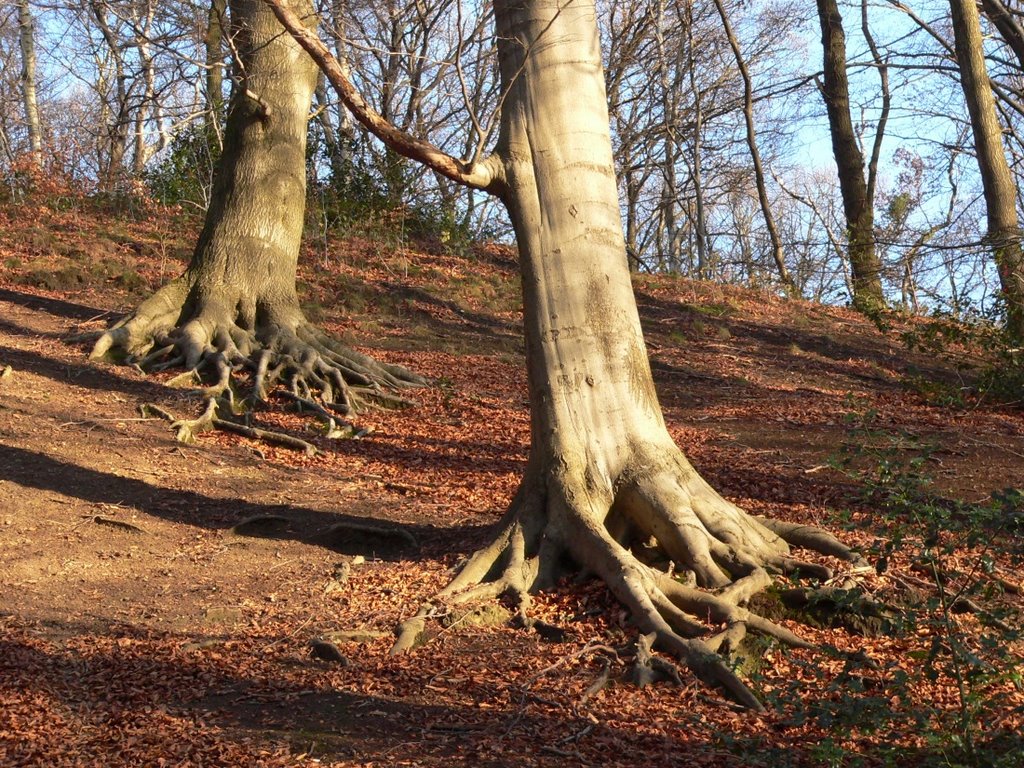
{"x":138,"y":624}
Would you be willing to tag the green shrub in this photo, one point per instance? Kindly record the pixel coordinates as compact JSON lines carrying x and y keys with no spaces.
{"x":183,"y":173}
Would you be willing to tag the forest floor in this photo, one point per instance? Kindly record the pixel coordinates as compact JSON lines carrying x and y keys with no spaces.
{"x":157,"y":600}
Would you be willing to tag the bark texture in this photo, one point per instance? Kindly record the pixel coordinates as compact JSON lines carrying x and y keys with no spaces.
{"x":858,"y":205}
{"x":26,"y":38}
{"x":606,"y":489}
{"x":236,"y":306}
{"x":1009,"y":27}
{"x":1000,"y":193}
{"x":214,"y":47}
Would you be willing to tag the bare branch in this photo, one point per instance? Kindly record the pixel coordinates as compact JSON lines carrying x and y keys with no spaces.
{"x":485,"y":175}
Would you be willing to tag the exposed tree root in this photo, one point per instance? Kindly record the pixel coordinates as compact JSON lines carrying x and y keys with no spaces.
{"x":216,"y":340}
{"x":187,"y":429}
{"x":683,"y":560}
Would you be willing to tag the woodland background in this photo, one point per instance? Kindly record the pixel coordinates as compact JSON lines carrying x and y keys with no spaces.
{"x":158,"y":599}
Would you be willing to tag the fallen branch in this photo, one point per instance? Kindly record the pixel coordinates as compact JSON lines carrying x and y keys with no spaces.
{"x":277,"y":438}
{"x":111,"y":523}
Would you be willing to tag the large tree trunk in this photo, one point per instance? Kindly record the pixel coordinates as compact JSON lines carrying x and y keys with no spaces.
{"x":603,"y":474}
{"x":604,"y":477}
{"x":857,"y":203}
{"x":1000,"y":192}
{"x":236,"y":304}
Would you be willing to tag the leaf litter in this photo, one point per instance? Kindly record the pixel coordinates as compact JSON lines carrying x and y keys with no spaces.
{"x":191,"y":645}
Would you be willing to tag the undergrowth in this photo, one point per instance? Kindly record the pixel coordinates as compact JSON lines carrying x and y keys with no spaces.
{"x":945,"y":559}
{"x":999,"y":378}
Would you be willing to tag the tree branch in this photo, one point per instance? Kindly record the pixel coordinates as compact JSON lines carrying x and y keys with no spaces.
{"x":485,"y":175}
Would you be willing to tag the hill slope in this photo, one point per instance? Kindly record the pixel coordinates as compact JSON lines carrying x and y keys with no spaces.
{"x":158,"y":599}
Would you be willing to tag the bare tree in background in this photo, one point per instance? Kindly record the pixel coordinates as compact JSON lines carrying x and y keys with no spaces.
{"x":858,"y":205}
{"x":1000,"y":192}
{"x":26,"y":35}
{"x":778,"y":256}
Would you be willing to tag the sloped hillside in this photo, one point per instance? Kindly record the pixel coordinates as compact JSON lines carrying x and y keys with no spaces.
{"x":157,"y":600}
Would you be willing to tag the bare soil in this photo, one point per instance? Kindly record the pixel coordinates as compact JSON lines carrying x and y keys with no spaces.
{"x":157,"y":600}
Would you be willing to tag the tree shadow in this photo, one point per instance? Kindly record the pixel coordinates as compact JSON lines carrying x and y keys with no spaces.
{"x":289,"y":699}
{"x":991,"y":750}
{"x":56,"y":307}
{"x":225,"y":692}
{"x":465,"y":328}
{"x":339,"y":532}
{"x":81,"y":375}
{"x":476,"y":318}
{"x":416,"y":452}
{"x":830,"y":352}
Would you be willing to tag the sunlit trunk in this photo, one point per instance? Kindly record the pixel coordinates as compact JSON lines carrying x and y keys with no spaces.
{"x":590,"y":386}
{"x":26,"y":36}
{"x":1000,"y":192}
{"x":236,"y":304}
{"x":865,"y":268}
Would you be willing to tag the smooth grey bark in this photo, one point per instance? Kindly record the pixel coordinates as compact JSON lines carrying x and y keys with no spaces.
{"x":26,"y":38}
{"x":1000,"y":192}
{"x":603,"y":477}
{"x":603,"y":474}
{"x":236,"y":304}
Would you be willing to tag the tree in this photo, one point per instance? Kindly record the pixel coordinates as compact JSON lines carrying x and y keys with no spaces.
{"x":116,"y":116}
{"x":1004,"y":20}
{"x":236,"y":304}
{"x":755,"y":156}
{"x":1000,"y":191}
{"x":26,"y":30}
{"x":214,"y":55}
{"x":604,"y":477}
{"x":857,"y":203}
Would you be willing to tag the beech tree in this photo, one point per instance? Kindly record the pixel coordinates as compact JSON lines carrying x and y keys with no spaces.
{"x":236,"y":305}
{"x":858,"y":201}
{"x":604,"y":478}
{"x":26,"y":35}
{"x":1000,"y":198}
